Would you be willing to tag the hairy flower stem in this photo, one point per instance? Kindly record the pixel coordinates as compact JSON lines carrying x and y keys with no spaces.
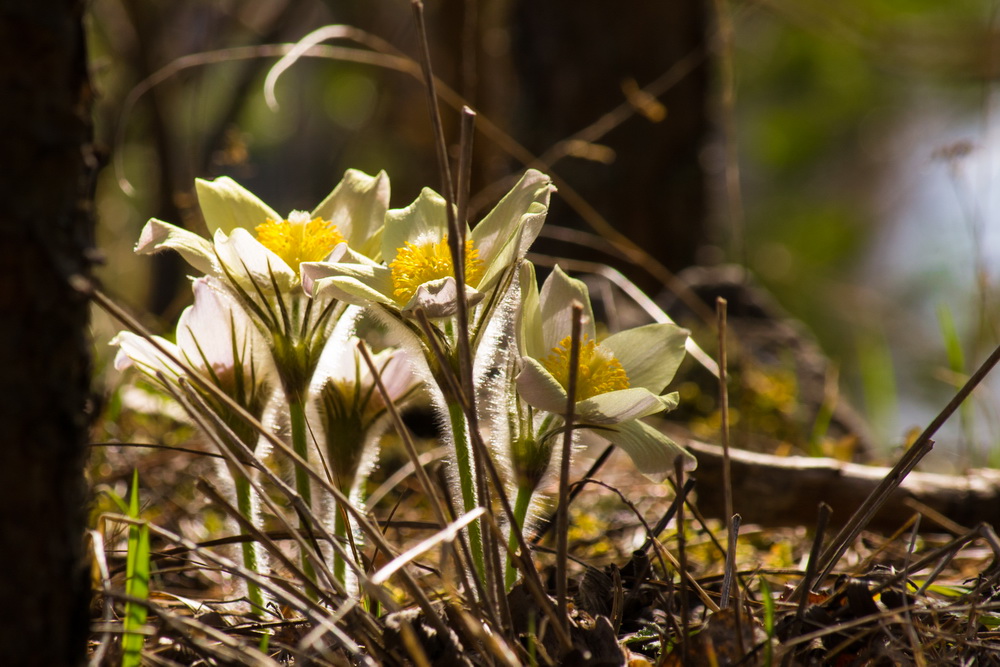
{"x":244,"y":503}
{"x":297,"y":414}
{"x":463,"y":461}
{"x":340,"y":528}
{"x":521,"y":504}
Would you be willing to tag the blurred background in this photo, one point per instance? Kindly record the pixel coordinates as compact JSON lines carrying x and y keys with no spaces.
{"x":844,"y":153}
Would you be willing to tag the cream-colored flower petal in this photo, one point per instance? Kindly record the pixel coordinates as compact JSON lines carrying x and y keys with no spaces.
{"x":196,"y":250}
{"x":396,"y":371}
{"x":227,"y":205}
{"x":339,"y":263}
{"x":134,"y":350}
{"x":250,"y":263}
{"x":206,"y":331}
{"x":557,"y":297}
{"x":649,"y":354}
{"x":507,"y":231}
{"x":439,"y":298}
{"x":357,"y":206}
{"x":617,"y":406}
{"x":423,"y":221}
{"x":530,"y":340}
{"x":652,"y":452}
{"x":670,"y":401}
{"x":539,"y":389}
{"x":356,"y":289}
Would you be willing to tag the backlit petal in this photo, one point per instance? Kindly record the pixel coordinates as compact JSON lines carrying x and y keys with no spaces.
{"x":196,"y":250}
{"x":357,"y":206}
{"x":618,"y":406}
{"x":649,"y":354}
{"x":652,"y":452}
{"x":539,"y":389}
{"x":557,"y":297}
{"x":227,"y":205}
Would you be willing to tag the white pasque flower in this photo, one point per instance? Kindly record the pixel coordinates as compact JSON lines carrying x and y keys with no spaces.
{"x":258,"y":254}
{"x":618,"y":379}
{"x":259,"y":249}
{"x":418,"y":271}
{"x":216,"y":340}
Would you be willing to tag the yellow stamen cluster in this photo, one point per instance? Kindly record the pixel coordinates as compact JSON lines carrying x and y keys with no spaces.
{"x":598,"y":372}
{"x":299,"y":239}
{"x":418,"y":264}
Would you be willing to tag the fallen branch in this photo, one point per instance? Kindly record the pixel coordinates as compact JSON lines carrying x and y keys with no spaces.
{"x":785,"y":490}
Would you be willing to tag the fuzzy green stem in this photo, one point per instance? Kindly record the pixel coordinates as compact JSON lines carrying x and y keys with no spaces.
{"x":340,"y":529}
{"x":297,"y":415}
{"x":463,"y":461}
{"x":521,"y":504}
{"x":244,"y":503}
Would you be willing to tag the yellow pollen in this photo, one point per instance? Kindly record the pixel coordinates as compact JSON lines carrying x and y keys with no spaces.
{"x":418,"y":264}
{"x":299,"y":239}
{"x":598,"y":372}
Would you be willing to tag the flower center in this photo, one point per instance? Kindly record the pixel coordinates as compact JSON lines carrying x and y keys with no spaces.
{"x":418,"y":264}
{"x":299,"y":239}
{"x":598,"y":372}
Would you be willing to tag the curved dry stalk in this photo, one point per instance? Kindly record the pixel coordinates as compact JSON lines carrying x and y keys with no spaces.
{"x":446,"y":534}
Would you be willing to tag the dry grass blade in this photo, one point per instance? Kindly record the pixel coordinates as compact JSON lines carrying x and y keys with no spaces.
{"x":304,"y":45}
{"x":729,"y":572}
{"x":101,"y":562}
{"x":285,"y":592}
{"x":213,"y":427}
{"x":562,"y":516}
{"x":212,"y":643}
{"x":682,"y":563}
{"x":534,"y":584}
{"x":727,"y":475}
{"x":917,"y":451}
{"x":408,"y":468}
{"x":808,"y":578}
{"x":447,"y":534}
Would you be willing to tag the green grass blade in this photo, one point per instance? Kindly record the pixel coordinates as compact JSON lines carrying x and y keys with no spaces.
{"x":136,"y":582}
{"x":768,"y":600}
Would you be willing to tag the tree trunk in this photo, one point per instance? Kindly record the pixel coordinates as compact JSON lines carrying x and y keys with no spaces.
{"x":579,"y":59}
{"x":47,"y":231}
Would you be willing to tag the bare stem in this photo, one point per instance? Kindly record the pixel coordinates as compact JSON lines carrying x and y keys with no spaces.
{"x":562,"y":518}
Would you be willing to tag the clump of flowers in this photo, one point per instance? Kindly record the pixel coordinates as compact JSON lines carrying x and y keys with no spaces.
{"x":287,"y":292}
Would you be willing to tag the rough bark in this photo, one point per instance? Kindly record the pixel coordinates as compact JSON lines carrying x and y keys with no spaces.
{"x":46,"y":233}
{"x":786,"y":490}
